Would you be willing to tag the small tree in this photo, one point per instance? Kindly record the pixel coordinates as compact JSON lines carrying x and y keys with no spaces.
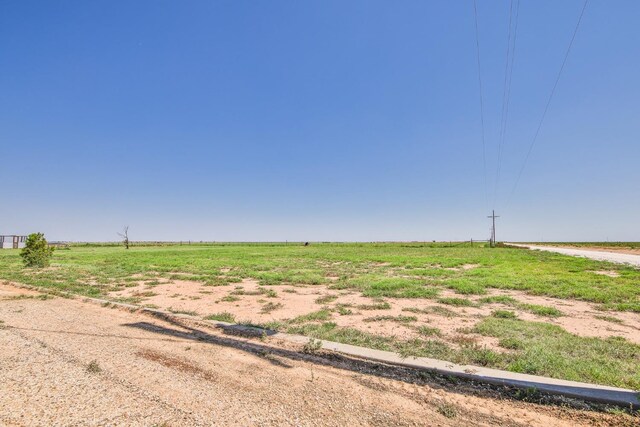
{"x":125,"y":236}
{"x":36,"y":251}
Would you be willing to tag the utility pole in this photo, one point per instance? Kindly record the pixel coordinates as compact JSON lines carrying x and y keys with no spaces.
{"x":493,"y":216}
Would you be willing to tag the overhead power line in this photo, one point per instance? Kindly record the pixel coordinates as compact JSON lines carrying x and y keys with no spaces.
{"x":506,"y":91}
{"x":484,"y":156}
{"x":546,"y":108}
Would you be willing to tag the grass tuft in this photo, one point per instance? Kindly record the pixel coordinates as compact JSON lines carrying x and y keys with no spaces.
{"x":222,"y":317}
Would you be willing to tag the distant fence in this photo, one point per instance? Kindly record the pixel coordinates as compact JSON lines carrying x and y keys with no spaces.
{"x":415,"y":243}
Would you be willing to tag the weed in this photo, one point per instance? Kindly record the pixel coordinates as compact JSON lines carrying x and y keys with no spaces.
{"x":502,"y":299}
{"x":178,"y":311}
{"x":541,"y":310}
{"x":326,"y":299}
{"x":398,"y":319}
{"x":448,"y":410}
{"x":434,"y":309}
{"x":93,"y":367}
{"x":222,"y":317}
{"x":460,"y":302}
{"x":611,"y":319}
{"x":375,"y":306}
{"x":312,"y":346}
{"x":511,"y":343}
{"x":269,"y":293}
{"x":316,"y":316}
{"x":428,"y":331}
{"x":230,"y":298}
{"x":343,"y":309}
{"x":549,"y":350}
{"x":504,"y":314}
{"x":530,"y":394}
{"x":269,"y":307}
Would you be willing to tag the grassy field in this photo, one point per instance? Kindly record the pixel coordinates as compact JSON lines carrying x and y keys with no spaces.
{"x":453,"y":279}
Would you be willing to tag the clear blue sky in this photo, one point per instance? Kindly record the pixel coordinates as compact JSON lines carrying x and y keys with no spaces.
{"x":315,"y":120}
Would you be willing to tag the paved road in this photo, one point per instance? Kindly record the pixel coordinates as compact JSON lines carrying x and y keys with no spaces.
{"x":616,"y":257}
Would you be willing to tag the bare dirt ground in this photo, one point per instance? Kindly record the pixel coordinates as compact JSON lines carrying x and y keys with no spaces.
{"x":250,"y":302}
{"x":66,"y":362}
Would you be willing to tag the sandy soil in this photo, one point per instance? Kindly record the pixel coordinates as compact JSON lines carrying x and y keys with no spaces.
{"x":66,"y":362}
{"x":250,"y":301}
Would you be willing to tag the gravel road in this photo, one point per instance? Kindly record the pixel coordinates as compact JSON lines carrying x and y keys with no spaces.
{"x":68,"y":362}
{"x":617,"y":257}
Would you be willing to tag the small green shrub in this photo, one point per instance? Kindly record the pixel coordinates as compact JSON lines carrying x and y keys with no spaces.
{"x":93,"y":367}
{"x":312,"y":346}
{"x":448,"y":410}
{"x":36,"y":252}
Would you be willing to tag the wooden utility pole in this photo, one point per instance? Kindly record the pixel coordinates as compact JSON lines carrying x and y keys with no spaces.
{"x":493,"y":217}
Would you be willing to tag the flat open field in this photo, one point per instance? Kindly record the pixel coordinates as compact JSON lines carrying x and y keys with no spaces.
{"x":525,"y":311}
{"x":66,"y":362}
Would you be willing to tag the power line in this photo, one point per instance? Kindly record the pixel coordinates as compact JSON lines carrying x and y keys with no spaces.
{"x":484,"y":156}
{"x":506,"y":91}
{"x":553,"y":91}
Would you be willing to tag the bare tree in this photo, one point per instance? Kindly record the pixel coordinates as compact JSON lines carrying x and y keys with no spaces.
{"x":125,"y":236}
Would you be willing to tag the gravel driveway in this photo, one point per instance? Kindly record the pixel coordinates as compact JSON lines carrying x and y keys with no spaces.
{"x":619,"y":258}
{"x":68,"y":362}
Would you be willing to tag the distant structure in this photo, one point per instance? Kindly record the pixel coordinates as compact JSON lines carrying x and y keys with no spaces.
{"x":12,"y":241}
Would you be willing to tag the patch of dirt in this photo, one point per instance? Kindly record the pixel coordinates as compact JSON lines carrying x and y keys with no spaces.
{"x":246,"y":300}
{"x":180,"y":364}
{"x":150,"y":371}
{"x":464,"y":267}
{"x":609,"y":273}
{"x":10,"y":291}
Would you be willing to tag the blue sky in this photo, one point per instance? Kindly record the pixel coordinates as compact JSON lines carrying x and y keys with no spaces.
{"x":316,"y":120}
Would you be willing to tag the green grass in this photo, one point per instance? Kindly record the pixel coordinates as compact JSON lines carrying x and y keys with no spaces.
{"x":383,"y":305}
{"x":222,"y":317}
{"x":459,"y":302}
{"x":269,"y":307}
{"x":397,"y":319}
{"x":428,"y":331}
{"x":316,"y":316}
{"x":390,"y":270}
{"x":535,"y":348}
{"x":538,"y":310}
{"x":376,"y":270}
{"x":541,"y":310}
{"x":549,"y":350}
{"x":611,"y":319}
{"x":504,"y":314}
{"x":417,"y":347}
{"x":325,"y":299}
{"x":434,"y":309}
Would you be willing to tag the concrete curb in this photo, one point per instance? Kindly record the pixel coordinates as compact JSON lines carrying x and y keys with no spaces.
{"x":588,"y":392}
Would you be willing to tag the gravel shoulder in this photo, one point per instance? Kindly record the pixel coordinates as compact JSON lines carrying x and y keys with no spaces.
{"x":66,"y":362}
